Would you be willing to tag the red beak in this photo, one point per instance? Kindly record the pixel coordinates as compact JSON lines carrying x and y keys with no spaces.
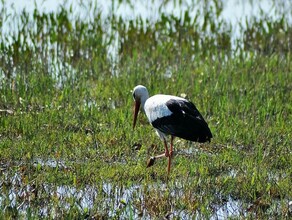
{"x":136,"y":111}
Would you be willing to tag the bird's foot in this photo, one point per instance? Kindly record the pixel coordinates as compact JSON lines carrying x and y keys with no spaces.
{"x":168,"y":154}
{"x":150,"y":162}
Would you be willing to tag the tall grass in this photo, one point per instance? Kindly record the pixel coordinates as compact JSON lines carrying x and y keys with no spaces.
{"x":66,"y":111}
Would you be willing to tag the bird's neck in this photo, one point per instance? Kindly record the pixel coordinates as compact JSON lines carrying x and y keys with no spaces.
{"x":143,"y":100}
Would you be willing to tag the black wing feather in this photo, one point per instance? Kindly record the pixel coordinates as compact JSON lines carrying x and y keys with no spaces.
{"x":186,"y":122}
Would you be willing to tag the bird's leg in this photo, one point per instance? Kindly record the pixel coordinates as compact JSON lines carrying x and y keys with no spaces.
{"x":166,"y":148}
{"x":165,"y":154}
{"x":168,"y":166}
{"x":171,"y":146}
{"x":170,"y":154}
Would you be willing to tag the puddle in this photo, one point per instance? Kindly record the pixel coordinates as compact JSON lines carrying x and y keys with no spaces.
{"x":109,"y":200}
{"x":230,"y":209}
{"x":50,"y":163}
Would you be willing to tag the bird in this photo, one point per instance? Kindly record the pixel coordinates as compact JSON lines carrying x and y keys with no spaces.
{"x":170,"y":116}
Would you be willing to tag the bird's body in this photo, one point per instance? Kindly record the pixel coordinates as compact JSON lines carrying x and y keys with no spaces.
{"x":171,"y":115}
{"x":176,"y":116}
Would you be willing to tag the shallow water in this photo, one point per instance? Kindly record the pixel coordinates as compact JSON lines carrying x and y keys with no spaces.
{"x":234,"y":12}
{"x":117,"y":200}
{"x":115,"y":197}
{"x":235,"y":15}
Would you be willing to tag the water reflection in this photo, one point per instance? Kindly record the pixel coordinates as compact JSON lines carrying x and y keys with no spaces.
{"x":107,"y":198}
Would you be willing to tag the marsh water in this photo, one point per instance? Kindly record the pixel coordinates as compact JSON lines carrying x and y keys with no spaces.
{"x":66,"y":139}
{"x":115,"y":198}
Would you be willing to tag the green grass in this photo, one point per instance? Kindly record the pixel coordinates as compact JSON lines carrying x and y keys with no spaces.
{"x":83,"y":122}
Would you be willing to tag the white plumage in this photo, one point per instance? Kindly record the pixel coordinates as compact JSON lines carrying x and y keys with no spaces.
{"x":171,"y":115}
{"x":155,"y":107}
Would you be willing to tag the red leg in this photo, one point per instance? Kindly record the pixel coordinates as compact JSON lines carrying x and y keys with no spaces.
{"x":166,"y":149}
{"x":171,"y":146}
{"x":165,"y":154}
{"x":168,"y":154}
{"x":168,"y":166}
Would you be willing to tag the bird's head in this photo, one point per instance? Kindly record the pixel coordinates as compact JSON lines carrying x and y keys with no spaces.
{"x":140,"y":95}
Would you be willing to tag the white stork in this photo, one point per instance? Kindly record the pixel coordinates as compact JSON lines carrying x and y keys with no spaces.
{"x":171,"y":115}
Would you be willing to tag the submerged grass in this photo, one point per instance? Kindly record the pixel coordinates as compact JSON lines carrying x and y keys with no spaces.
{"x":68,"y":149}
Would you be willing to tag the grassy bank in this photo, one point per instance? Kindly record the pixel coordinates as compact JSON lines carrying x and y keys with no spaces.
{"x":67,"y":147}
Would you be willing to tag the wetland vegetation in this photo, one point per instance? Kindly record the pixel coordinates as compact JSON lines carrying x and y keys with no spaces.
{"x":67,"y":147}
